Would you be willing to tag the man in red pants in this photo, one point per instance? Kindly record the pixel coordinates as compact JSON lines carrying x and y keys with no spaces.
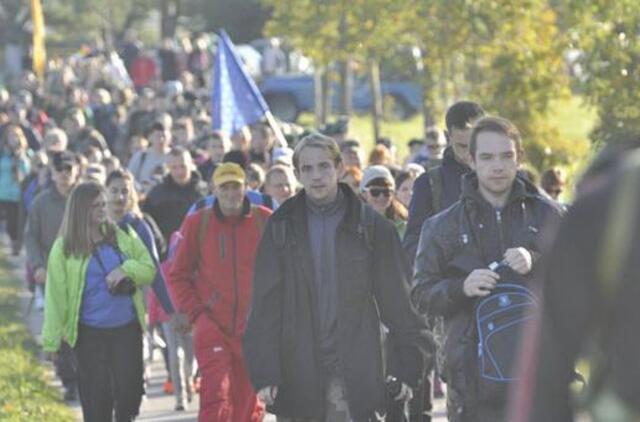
{"x":211,"y":278}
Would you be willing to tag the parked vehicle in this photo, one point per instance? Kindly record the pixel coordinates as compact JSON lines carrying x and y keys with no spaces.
{"x":290,"y":95}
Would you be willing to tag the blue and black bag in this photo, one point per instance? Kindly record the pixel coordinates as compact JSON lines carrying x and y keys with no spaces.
{"x":500,"y":321}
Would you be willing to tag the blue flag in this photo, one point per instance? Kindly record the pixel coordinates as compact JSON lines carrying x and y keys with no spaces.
{"x":236,"y":101}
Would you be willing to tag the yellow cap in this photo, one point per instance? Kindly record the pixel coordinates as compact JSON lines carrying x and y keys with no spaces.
{"x":228,"y":172}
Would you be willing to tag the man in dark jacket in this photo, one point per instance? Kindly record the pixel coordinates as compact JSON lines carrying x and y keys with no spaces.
{"x":459,"y":119}
{"x":169,"y":201}
{"x":437,"y":189}
{"x":497,"y":220}
{"x":328,"y":272}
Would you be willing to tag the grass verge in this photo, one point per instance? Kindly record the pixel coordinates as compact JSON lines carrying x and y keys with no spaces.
{"x":24,"y":392}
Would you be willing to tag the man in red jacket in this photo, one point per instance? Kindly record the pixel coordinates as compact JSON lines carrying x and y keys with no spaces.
{"x":212,"y":276}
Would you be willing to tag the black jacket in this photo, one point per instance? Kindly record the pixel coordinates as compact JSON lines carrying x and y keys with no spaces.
{"x":169,"y":202}
{"x":421,"y":206}
{"x":281,"y":344}
{"x":469,"y":235}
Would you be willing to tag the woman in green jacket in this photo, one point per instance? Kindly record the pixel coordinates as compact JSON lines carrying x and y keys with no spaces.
{"x":93,"y":300}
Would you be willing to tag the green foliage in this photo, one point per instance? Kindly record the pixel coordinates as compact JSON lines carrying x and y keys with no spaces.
{"x":607,"y":34}
{"x":70,"y":23}
{"x":24,"y":392}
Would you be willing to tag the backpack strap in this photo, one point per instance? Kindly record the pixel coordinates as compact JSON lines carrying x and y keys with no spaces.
{"x":435,"y":182}
{"x":143,"y":158}
{"x":202,"y":228}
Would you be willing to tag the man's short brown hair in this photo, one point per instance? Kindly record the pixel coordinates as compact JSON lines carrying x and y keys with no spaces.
{"x":496,"y":125}
{"x":317,"y":140}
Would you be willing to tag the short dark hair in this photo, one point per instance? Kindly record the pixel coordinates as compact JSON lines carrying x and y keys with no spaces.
{"x":155,"y":126}
{"x":550,"y":177}
{"x":462,"y":114}
{"x":496,"y":125}
{"x":241,"y":158}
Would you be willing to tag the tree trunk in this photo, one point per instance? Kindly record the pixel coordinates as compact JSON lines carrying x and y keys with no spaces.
{"x":376,"y":97}
{"x":326,"y":96}
{"x":317,"y":97}
{"x":169,"y":12}
{"x":346,"y":88}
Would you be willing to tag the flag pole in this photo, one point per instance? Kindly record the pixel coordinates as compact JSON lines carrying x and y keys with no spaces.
{"x":282,"y":142}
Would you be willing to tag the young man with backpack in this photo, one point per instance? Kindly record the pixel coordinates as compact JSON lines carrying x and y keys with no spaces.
{"x":485,"y":246}
{"x":436,"y":190}
{"x":439,"y":187}
{"x":329,"y":270}
{"x":211,"y":279}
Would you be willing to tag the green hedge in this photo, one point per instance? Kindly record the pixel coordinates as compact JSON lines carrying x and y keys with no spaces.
{"x":24,"y":392}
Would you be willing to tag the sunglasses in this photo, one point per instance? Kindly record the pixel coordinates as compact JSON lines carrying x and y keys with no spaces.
{"x":64,"y":168}
{"x":376,"y":192}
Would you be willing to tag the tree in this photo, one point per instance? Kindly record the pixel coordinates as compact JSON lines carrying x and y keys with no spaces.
{"x":102,"y":20}
{"x":506,"y":55}
{"x":331,"y":31}
{"x":607,"y":35}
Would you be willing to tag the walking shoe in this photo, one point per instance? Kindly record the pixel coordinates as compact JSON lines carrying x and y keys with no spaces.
{"x":167,"y":387}
{"x":179,"y":407}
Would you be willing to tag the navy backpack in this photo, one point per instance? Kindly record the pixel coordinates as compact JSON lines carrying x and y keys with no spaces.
{"x":500,"y":321}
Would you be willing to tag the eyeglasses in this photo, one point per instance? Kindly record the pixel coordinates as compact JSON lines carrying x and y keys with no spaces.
{"x":376,"y":192}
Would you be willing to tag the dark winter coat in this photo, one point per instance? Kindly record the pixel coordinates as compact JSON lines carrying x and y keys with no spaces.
{"x":169,"y":202}
{"x":469,"y":235}
{"x":281,"y":344}
{"x":421,"y":206}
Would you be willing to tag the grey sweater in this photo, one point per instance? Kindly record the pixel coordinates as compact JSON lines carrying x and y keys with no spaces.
{"x":43,"y":225}
{"x":322,"y":222}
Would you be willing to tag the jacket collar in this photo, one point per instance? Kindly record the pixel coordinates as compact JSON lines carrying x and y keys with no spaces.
{"x":449,"y":160}
{"x":192,"y":184}
{"x":522,"y":189}
{"x":295,"y":208}
{"x":246,"y":210}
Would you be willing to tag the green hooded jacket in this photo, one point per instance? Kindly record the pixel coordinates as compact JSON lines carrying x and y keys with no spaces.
{"x":66,"y":277}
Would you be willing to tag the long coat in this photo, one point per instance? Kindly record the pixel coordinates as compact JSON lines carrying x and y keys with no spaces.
{"x":281,"y":344}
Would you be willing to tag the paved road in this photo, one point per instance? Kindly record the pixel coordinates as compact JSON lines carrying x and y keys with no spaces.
{"x":157,"y":406}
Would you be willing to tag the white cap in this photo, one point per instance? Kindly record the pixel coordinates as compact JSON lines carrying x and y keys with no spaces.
{"x":376,"y":172}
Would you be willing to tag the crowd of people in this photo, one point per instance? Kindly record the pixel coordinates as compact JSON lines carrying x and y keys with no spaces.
{"x":303,"y":280}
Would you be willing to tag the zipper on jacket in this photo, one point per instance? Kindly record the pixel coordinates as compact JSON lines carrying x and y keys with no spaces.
{"x":500,"y":234}
{"x":235,"y":279}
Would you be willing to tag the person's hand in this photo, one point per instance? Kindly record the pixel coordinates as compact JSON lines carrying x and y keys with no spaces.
{"x":267,"y":395}
{"x":519,"y":259}
{"x":480,"y":282}
{"x":114,"y":277}
{"x":40,"y":275}
{"x":180,"y":323}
